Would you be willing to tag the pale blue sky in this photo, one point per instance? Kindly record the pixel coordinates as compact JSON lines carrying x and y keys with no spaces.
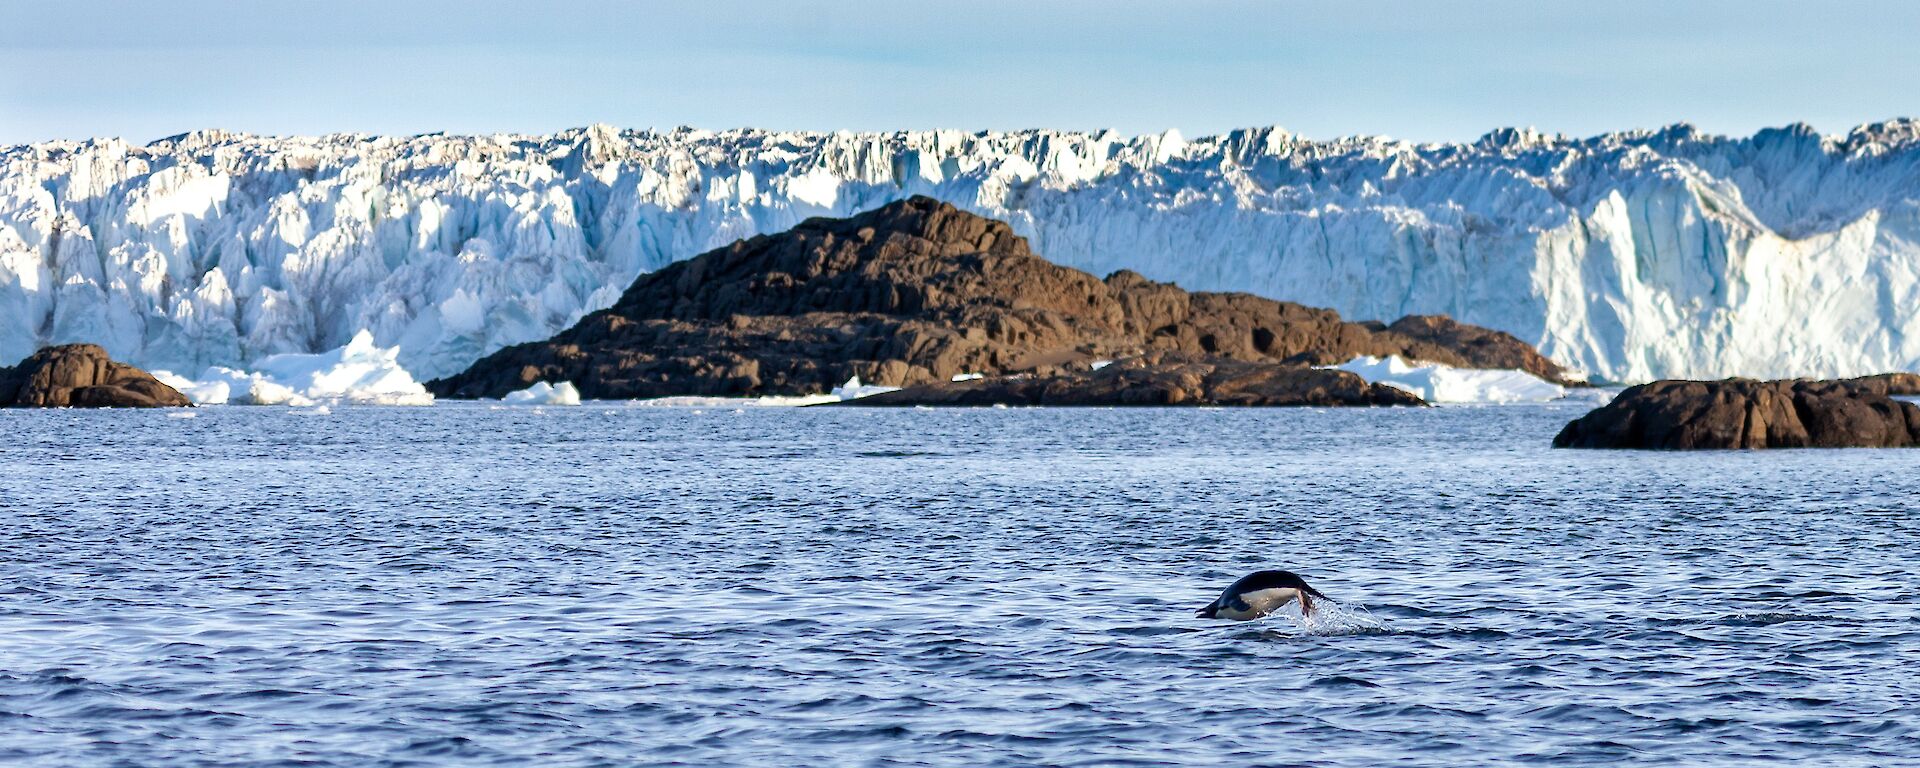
{"x":1435,"y":70}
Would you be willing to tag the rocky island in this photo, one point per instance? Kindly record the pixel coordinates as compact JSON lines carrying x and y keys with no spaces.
{"x":918,"y":292}
{"x":1745,"y":413}
{"x":82,"y":376}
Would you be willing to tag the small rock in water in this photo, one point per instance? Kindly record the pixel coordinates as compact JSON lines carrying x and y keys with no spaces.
{"x":82,"y":376}
{"x":1744,"y":413}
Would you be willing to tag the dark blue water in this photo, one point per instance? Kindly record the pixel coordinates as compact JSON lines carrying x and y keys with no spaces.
{"x":629,"y":586}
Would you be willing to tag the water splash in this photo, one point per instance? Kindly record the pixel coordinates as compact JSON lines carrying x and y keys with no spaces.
{"x":1769,"y":618}
{"x":1331,"y":619}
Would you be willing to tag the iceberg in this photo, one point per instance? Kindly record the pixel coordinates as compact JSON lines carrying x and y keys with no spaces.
{"x":1436,"y":383}
{"x":225,"y":386}
{"x":360,"y":373}
{"x":542,"y":393}
{"x":1644,"y":254}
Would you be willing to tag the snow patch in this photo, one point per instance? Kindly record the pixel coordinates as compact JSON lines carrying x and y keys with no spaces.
{"x":1437,"y":383}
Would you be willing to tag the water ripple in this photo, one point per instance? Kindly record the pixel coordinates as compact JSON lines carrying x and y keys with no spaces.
{"x":614,"y":586}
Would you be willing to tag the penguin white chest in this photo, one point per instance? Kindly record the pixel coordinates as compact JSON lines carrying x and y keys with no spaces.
{"x":1260,"y":602}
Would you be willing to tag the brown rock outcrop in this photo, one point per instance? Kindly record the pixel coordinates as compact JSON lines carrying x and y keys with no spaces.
{"x":1159,"y":378}
{"x":915,"y":292}
{"x":1890,"y":384}
{"x":1744,"y":413}
{"x":82,"y":376}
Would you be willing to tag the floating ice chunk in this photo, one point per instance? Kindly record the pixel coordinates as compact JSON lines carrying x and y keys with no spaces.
{"x":199,"y":393}
{"x":262,"y":391}
{"x":542,"y":393}
{"x":356,"y":373}
{"x":359,"y":372}
{"x":225,"y":386}
{"x":853,"y":389}
{"x":795,"y":401}
{"x":1437,"y":383}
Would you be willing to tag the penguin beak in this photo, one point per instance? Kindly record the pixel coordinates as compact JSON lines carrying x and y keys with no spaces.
{"x":1307,"y":594}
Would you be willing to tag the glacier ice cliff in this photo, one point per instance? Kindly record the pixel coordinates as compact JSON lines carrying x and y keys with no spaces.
{"x":1630,"y":256}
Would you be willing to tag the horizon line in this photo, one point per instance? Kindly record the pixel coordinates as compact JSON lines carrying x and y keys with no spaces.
{"x":1793,"y":127}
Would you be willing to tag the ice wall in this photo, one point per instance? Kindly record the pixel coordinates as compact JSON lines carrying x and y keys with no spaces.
{"x":1629,"y":256}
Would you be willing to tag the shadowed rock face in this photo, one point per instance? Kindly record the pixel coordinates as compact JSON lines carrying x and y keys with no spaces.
{"x":1890,"y":384}
{"x":1159,"y":378}
{"x":914,"y":293}
{"x":1744,"y":413}
{"x":82,"y":376}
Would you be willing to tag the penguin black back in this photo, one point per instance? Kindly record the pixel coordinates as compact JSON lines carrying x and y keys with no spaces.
{"x":1259,"y":580}
{"x":1260,"y":593}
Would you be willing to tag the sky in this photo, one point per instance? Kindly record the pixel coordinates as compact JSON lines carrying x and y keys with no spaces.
{"x":1436,"y":70}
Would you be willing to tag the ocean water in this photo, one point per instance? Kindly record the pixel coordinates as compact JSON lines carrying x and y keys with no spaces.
{"x":611,"y":586}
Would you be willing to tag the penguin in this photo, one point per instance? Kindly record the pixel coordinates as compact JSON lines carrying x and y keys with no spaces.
{"x":1260,"y":593}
